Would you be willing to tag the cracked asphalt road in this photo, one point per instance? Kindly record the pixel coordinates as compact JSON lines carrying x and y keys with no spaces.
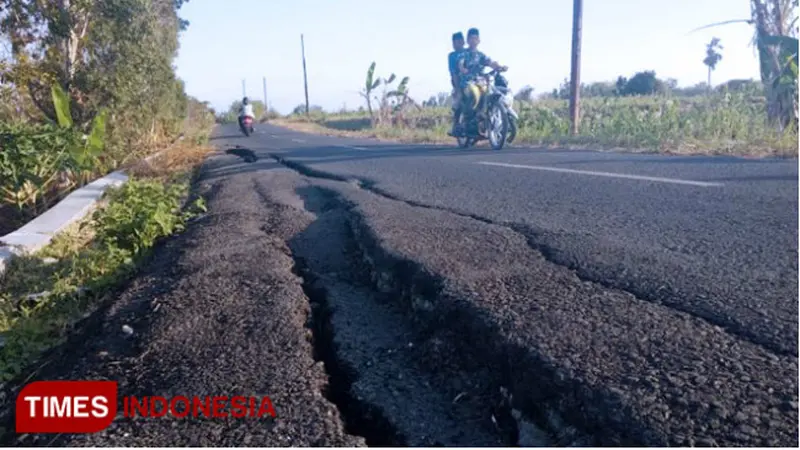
{"x":726,"y":253}
{"x":440,"y":300}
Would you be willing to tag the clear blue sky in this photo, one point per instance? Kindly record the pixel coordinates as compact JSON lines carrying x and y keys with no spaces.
{"x":234,"y":39}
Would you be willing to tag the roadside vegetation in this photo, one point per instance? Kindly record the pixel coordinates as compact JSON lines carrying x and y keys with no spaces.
{"x":643,"y":112}
{"x":87,"y":88}
{"x":43,"y":296}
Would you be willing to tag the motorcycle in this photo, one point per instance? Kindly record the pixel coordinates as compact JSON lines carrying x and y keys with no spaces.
{"x":492,"y":117}
{"x":246,"y":125}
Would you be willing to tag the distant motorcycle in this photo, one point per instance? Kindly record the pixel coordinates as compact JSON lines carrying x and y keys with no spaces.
{"x":246,"y":125}
{"x":492,"y":117}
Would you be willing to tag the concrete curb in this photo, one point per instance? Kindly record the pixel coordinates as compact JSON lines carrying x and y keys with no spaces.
{"x":36,"y":234}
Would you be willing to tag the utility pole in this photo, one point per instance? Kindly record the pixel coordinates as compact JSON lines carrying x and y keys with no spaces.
{"x":575,"y":83}
{"x":244,"y":91}
{"x":266,"y":105}
{"x":305,"y":76}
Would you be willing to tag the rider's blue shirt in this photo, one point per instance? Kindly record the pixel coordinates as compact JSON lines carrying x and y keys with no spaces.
{"x":452,"y":60}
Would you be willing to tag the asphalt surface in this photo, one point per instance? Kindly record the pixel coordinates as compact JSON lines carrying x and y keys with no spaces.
{"x":414,"y":295}
{"x":217,"y":311}
{"x":726,"y":253}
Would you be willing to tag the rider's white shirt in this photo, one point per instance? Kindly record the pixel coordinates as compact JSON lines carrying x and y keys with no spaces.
{"x":247,"y":111}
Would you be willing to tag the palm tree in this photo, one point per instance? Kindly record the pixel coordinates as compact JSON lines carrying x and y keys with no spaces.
{"x":713,"y":57}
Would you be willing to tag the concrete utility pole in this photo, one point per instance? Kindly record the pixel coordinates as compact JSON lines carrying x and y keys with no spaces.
{"x":575,"y":83}
{"x":244,"y":91}
{"x":305,"y":76}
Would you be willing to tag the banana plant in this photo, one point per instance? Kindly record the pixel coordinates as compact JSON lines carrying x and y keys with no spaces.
{"x":87,"y":154}
{"x":369,"y":87}
{"x":781,"y":66}
{"x":401,"y":90}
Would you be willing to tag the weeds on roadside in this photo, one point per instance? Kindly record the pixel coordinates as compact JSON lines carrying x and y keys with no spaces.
{"x":136,"y":216}
{"x":724,"y":123}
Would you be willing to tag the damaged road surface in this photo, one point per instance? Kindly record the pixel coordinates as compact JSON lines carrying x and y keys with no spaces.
{"x":372,"y":320}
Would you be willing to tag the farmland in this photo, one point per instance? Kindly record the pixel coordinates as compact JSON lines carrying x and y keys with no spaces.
{"x":723,"y":123}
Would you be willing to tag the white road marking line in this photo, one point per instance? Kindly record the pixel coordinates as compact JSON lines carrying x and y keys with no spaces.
{"x":604,"y":174}
{"x":353,"y":147}
{"x":299,"y":141}
{"x":273,"y":135}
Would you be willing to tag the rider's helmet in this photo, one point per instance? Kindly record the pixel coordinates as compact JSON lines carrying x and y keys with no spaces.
{"x":245,"y":101}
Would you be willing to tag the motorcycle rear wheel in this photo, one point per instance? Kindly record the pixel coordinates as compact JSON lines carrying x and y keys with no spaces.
{"x":464,"y":141}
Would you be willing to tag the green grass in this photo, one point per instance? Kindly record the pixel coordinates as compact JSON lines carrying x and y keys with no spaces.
{"x":731,"y":124}
{"x":80,"y":267}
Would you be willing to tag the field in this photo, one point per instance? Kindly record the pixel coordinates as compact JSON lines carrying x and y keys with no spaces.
{"x":724,"y":123}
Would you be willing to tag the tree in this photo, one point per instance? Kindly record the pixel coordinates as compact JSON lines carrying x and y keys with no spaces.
{"x":620,"y":85}
{"x":713,"y":57}
{"x":739,"y":85}
{"x":114,"y":53}
{"x":776,"y":32}
{"x":300,"y":110}
{"x":776,"y":39}
{"x":597,"y":89}
{"x":431,"y":102}
{"x":644,"y":83}
{"x":525,"y":94}
{"x":671,"y":84}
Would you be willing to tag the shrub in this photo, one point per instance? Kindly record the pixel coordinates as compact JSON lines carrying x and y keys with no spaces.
{"x":31,"y":159}
{"x":138,"y":213}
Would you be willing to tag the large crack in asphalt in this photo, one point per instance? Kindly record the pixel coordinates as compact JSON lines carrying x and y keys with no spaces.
{"x":360,"y":418}
{"x":664,"y":295}
{"x":385,"y":374}
{"x":538,"y":392}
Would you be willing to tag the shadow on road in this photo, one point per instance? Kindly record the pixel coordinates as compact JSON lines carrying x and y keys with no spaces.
{"x":226,"y":136}
{"x":245,"y":153}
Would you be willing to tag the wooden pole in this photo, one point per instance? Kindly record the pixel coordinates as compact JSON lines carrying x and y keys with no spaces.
{"x":305,"y":76}
{"x":575,"y":83}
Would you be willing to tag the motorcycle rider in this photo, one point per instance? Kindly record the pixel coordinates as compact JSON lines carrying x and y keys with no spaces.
{"x":471,"y":65}
{"x":452,"y":60}
{"x":246,"y":111}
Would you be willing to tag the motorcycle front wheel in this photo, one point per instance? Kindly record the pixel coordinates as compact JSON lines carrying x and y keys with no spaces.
{"x":498,"y":127}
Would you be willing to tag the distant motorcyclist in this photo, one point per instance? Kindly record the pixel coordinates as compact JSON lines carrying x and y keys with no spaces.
{"x":471,"y":65}
{"x":246,"y":111}
{"x":452,"y":59}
